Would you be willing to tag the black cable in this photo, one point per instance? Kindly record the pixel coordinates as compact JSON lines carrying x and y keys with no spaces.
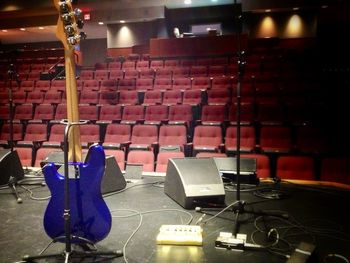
{"x":271,"y":193}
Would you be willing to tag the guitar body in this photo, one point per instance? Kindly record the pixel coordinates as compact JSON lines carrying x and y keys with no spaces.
{"x":90,"y":217}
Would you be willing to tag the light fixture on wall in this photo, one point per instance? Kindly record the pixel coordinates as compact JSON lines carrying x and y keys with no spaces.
{"x":100,"y":23}
{"x":294,"y":26}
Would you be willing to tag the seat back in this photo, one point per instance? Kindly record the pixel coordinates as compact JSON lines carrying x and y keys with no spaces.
{"x":295,"y":167}
{"x":133,"y":113}
{"x":207,"y":136}
{"x":247,"y":138}
{"x":275,"y":139}
{"x":146,"y":158}
{"x":35,"y":132}
{"x":25,"y":154}
{"x":117,"y":133}
{"x":90,"y":133}
{"x":44,"y":112}
{"x":144,"y":134}
{"x":335,"y":169}
{"x":157,"y":113}
{"x":172,"y":135}
{"x":110,"y":113}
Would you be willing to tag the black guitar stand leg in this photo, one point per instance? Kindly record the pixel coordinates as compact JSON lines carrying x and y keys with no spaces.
{"x":69,"y":253}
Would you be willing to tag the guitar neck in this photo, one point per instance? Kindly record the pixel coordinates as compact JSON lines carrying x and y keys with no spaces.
{"x":74,"y":149}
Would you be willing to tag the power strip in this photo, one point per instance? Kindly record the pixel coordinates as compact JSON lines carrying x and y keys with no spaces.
{"x":180,"y":235}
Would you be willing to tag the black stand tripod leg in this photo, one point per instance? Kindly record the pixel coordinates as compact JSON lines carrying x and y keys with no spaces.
{"x":235,"y":224}
{"x":12,"y":183}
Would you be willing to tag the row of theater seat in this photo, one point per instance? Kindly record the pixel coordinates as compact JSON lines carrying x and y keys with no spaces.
{"x":250,"y":114}
{"x":268,"y":139}
{"x":331,"y":169}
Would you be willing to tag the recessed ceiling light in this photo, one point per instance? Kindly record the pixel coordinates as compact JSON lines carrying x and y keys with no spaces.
{"x":122,"y":21}
{"x":22,"y":29}
{"x":267,"y":10}
{"x":100,"y":23}
{"x":41,"y":27}
{"x":188,"y":2}
{"x":4,"y":30}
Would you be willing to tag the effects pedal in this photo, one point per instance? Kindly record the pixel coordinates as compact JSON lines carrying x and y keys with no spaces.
{"x":186,"y":235}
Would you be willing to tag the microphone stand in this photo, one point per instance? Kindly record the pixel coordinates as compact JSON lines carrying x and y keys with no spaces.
{"x":12,"y":76}
{"x":13,"y":181}
{"x":239,"y":240}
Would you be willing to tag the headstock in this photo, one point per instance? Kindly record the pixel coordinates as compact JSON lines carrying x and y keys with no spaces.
{"x":69,"y":21}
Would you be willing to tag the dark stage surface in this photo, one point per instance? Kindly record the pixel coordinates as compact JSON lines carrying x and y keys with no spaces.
{"x":316,"y":215}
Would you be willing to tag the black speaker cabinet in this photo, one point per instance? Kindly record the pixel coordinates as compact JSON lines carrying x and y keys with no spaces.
{"x":10,"y":166}
{"x":227,"y":167}
{"x":113,"y":179}
{"x":194,"y":182}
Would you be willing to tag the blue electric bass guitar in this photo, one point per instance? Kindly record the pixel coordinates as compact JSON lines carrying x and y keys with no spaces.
{"x":89,"y":216}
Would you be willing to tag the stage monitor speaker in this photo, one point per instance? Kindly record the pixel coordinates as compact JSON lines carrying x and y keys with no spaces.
{"x":10,"y":166}
{"x":194,"y":182}
{"x":112,"y":181}
{"x":227,"y":168}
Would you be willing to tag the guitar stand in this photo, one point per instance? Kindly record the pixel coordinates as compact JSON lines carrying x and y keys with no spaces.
{"x":69,"y":253}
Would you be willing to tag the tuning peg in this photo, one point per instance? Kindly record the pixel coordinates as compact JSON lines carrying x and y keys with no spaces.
{"x":67,"y":19}
{"x":64,"y":8}
{"x":73,"y":40}
{"x":78,"y":13}
{"x":70,"y":31}
{"x":80,"y":24}
{"x":83,"y":35}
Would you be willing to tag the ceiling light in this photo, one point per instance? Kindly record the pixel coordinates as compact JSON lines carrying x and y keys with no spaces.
{"x":267,"y":10}
{"x":122,"y":21}
{"x":22,"y":29}
{"x":188,"y":2}
{"x":4,"y":30}
{"x":100,"y":23}
{"x":41,"y":28}
{"x":295,"y":8}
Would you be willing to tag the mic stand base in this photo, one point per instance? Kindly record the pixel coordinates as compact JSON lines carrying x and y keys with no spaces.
{"x":12,"y":184}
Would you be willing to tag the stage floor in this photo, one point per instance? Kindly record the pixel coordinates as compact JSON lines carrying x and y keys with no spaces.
{"x":316,"y":215}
